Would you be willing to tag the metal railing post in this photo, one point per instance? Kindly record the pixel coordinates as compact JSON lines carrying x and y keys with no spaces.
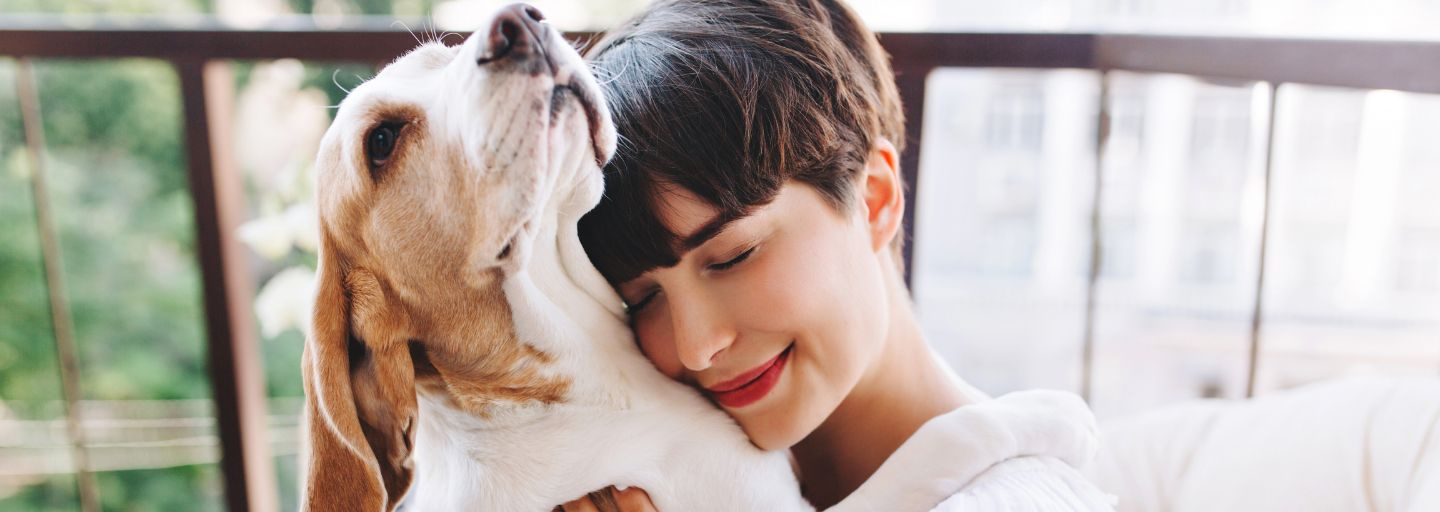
{"x":233,"y":353}
{"x":51,"y":261}
{"x":1257,"y":314}
{"x":1097,"y":253}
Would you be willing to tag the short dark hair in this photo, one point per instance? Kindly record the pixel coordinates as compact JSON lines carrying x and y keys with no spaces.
{"x":731,"y":99}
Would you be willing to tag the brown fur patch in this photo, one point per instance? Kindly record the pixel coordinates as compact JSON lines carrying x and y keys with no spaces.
{"x":492,"y":366}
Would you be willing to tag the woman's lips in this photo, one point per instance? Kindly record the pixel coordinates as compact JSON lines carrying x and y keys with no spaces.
{"x":753,"y":385}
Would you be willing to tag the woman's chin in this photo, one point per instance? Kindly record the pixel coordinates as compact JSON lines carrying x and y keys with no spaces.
{"x":771,"y":441}
{"x":776,"y":428}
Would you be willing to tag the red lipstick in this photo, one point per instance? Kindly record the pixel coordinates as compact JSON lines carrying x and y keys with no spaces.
{"x":751,"y":386}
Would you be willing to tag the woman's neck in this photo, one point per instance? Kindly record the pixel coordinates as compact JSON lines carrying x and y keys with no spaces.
{"x":901,"y":390}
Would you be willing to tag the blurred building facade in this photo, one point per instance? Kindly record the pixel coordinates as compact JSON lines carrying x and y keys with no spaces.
{"x":1003,"y":233}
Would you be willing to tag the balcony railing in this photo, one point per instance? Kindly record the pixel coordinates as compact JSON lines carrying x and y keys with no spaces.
{"x":200,"y":56}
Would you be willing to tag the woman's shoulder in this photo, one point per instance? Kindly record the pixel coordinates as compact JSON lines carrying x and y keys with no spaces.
{"x":992,"y":439}
{"x":1029,"y":483}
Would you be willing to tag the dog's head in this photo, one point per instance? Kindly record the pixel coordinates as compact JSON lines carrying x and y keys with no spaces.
{"x":430,"y":182}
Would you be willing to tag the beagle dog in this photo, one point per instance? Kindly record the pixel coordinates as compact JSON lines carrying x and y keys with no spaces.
{"x":466,"y":353}
{"x":462,"y":342}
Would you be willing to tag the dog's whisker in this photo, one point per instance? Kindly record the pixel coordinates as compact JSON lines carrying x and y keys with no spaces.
{"x":334,"y":79}
{"x":582,"y":43}
{"x":407,"y":29}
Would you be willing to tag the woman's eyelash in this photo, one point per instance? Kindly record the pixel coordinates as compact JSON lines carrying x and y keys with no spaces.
{"x":733,"y":261}
{"x":634,"y":308}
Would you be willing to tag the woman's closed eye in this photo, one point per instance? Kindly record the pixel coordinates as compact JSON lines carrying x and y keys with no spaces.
{"x":725,"y":265}
{"x":631,"y":308}
{"x":634,"y":307}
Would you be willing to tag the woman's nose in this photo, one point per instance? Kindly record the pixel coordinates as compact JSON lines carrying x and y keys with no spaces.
{"x":701,"y":331}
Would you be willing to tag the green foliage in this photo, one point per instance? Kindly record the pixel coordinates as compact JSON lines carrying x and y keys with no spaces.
{"x":189,"y":488}
{"x":28,"y":371}
{"x":108,"y":7}
{"x":53,"y":494}
{"x":118,"y":194}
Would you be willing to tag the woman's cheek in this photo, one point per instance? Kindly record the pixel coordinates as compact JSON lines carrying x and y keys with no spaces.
{"x":656,"y":342}
{"x":777,"y":292}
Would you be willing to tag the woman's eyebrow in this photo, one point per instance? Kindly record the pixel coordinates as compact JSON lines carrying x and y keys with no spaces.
{"x":709,"y":230}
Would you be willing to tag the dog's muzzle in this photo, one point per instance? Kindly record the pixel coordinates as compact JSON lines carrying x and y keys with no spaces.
{"x":516,"y":41}
{"x":519,"y":41}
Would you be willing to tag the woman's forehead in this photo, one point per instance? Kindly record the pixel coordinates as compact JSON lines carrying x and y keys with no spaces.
{"x":682,"y":212}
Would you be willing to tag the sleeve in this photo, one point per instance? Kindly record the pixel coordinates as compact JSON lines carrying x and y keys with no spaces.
{"x":1025,"y":484}
{"x":1352,"y":444}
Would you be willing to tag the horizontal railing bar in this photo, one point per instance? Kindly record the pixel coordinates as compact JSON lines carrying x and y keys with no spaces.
{"x":1361,"y":64}
{"x":341,"y":45}
{"x":922,"y":50}
{"x":1018,"y":50}
{"x":1369,"y":64}
{"x":178,"y":22}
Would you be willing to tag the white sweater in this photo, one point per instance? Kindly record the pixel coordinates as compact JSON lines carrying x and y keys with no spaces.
{"x":1014,"y":453}
{"x":1350,"y":445}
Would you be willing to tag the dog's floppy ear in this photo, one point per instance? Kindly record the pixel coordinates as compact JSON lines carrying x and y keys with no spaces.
{"x":359,"y":392}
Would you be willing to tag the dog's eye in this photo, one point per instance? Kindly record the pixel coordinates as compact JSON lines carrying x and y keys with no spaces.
{"x":380,"y":143}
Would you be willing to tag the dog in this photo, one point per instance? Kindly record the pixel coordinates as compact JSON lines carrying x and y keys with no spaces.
{"x":462,"y":341}
{"x":463,"y":344}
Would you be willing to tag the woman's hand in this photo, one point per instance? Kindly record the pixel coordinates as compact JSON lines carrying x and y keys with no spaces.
{"x":609,"y":499}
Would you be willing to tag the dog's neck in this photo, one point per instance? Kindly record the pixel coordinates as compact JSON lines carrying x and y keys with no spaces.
{"x":563,"y":312}
{"x":564,"y":307}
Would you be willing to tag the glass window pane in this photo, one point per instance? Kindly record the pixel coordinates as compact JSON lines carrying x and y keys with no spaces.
{"x":1180,"y":228}
{"x":1002,"y":223}
{"x":1351,"y":284}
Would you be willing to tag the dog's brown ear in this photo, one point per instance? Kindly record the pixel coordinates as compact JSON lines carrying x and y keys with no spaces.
{"x":359,"y":392}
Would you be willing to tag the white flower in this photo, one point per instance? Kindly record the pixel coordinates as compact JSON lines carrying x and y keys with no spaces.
{"x":268,"y":236}
{"x":304,"y":225}
{"x":278,"y":125}
{"x":285,"y":302}
{"x":273,"y":236}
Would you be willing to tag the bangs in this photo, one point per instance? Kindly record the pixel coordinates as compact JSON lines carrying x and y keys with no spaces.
{"x":675,"y":133}
{"x":728,"y":101}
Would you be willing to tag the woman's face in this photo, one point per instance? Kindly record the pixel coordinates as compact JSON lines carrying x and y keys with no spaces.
{"x":775,"y":317}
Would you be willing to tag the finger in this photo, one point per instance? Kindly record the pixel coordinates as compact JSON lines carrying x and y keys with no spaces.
{"x":581,"y":505}
{"x":634,"y":499}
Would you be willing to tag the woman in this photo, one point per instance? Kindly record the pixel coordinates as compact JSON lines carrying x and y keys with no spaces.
{"x":751,"y":224}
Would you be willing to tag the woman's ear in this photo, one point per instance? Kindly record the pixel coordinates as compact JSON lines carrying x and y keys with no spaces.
{"x":884,"y":194}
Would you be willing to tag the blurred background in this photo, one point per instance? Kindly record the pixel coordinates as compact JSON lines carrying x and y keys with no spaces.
{"x":107,"y":388}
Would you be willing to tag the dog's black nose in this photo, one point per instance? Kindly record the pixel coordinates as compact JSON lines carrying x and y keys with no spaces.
{"x":514,"y":35}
